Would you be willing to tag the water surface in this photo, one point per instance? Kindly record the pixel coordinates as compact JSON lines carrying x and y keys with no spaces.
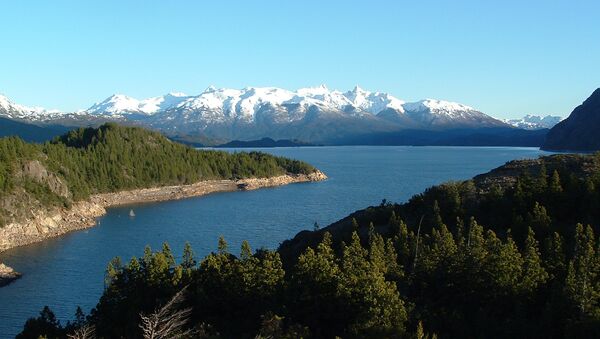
{"x":68,"y":271}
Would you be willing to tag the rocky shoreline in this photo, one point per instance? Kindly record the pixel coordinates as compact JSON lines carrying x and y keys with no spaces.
{"x":51,"y":223}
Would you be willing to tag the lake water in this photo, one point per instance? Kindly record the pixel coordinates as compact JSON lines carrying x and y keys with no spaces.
{"x":68,"y":271}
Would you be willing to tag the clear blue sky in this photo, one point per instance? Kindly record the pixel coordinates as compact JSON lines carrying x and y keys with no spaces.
{"x":507,"y":58}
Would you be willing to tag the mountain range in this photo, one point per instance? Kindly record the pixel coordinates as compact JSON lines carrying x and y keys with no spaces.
{"x":533,"y":122}
{"x":315,"y":115}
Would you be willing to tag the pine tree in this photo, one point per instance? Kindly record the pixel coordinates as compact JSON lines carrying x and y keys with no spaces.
{"x":188,"y":262}
{"x":377,"y":309}
{"x":580,"y":283}
{"x":316,"y":290}
{"x":542,"y":183}
{"x":169,"y":257}
{"x":401,"y":240}
{"x":502,"y":266}
{"x":222,"y":247}
{"x":534,"y":274}
{"x":555,"y":257}
{"x":354,"y":224}
{"x":539,"y":220}
{"x":377,"y":253}
{"x":555,"y":185}
{"x":113,"y":269}
{"x":436,"y":218}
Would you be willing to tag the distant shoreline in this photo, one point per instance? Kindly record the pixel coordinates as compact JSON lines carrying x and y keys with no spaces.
{"x":47,"y":224}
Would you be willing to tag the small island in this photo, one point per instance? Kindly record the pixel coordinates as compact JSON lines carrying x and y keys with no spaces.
{"x":7,"y":275}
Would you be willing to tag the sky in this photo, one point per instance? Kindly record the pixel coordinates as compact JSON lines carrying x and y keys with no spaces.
{"x":505,"y":58}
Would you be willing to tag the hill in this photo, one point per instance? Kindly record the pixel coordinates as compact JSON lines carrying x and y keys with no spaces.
{"x":578,"y":132}
{"x":112,"y":158}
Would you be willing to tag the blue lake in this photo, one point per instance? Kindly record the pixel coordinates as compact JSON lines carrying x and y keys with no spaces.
{"x":69,"y":270}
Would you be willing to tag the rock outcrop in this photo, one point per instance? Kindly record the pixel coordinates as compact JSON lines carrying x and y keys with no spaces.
{"x":50,"y":223}
{"x":7,"y":275}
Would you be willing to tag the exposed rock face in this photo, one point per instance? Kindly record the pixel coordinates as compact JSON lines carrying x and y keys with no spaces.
{"x":36,"y":171}
{"x":7,"y":275}
{"x":50,"y":223}
{"x":250,"y":184}
{"x":45,"y":224}
{"x":578,"y":132}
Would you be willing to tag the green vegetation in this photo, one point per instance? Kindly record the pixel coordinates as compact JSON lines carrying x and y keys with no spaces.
{"x":513,"y":253}
{"x":113,"y":158}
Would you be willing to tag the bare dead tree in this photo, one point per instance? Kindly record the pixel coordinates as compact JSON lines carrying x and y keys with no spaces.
{"x":169,"y":321}
{"x":86,"y":331}
{"x":417,"y":243}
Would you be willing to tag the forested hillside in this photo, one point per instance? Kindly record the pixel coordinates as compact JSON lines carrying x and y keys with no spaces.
{"x":113,"y":158}
{"x":579,"y":131}
{"x":30,"y":132}
{"x":512,"y":253}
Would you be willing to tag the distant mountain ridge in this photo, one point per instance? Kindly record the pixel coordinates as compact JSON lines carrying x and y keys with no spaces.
{"x":314,"y":115}
{"x":578,"y":132}
{"x":533,"y":122}
{"x":30,"y":132}
{"x":264,"y":142}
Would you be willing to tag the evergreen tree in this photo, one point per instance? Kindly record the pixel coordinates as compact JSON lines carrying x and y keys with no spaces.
{"x":555,"y":257}
{"x":555,"y":185}
{"x":580,"y":284}
{"x":534,"y":274}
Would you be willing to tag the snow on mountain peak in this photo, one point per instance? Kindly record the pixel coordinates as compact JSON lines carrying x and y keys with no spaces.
{"x":437,"y":106}
{"x":215,"y":105}
{"x":176,"y":94}
{"x":533,"y":122}
{"x":4,"y":102}
{"x":247,"y":101}
{"x":17,"y":111}
{"x":209,"y":89}
{"x":118,"y":104}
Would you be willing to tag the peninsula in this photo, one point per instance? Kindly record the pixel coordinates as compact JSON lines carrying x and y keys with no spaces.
{"x":60,"y":186}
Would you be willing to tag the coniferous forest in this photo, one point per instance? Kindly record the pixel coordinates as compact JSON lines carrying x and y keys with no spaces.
{"x":113,"y":158}
{"x":512,"y":253}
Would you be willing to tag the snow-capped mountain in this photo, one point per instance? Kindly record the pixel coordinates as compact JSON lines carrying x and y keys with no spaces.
{"x":533,"y":122}
{"x":247,"y":102}
{"x":311,"y":114}
{"x":222,"y":105}
{"x":119,"y":104}
{"x":433,"y":112}
{"x":12,"y":110}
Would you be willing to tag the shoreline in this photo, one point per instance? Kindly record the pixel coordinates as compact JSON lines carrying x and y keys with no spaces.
{"x":48,"y":224}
